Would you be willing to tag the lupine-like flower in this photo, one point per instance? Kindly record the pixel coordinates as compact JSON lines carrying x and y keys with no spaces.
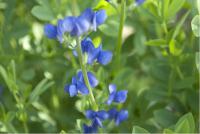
{"x":118,"y":116}
{"x":95,"y":54}
{"x":97,"y":117}
{"x":76,"y":25}
{"x":116,"y":96}
{"x":78,"y":84}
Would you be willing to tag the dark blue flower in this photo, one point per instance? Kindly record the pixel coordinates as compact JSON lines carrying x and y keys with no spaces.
{"x":95,"y":54}
{"x":118,"y":116}
{"x":97,"y":117}
{"x":116,"y":96}
{"x":139,"y":2}
{"x":78,"y":85}
{"x":89,"y":129}
{"x":50,"y":31}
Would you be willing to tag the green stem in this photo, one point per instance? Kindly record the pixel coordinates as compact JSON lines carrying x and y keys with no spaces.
{"x":121,"y":25}
{"x":25,"y":127}
{"x":84,"y":70}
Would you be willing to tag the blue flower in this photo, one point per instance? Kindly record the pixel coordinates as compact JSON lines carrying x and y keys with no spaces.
{"x":76,"y":25}
{"x":90,"y":129}
{"x":116,"y":96}
{"x":78,"y":85}
{"x":97,"y":117}
{"x":139,"y":2}
{"x":95,"y":54}
{"x":118,"y":116}
{"x":50,"y":31}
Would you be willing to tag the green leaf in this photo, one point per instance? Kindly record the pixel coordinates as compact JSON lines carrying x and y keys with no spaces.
{"x":179,"y":25}
{"x":174,"y":50}
{"x":185,"y":124}
{"x":156,"y":42}
{"x":111,"y":26}
{"x":4,"y":75}
{"x":39,"y":89}
{"x":168,"y":131}
{"x":110,"y":10}
{"x":195,"y":24}
{"x":174,"y":7}
{"x":137,"y":129}
{"x":164,"y":117}
{"x":42,"y":13}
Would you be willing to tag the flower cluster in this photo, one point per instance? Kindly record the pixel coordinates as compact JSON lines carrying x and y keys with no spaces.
{"x":78,"y":84}
{"x":84,"y":81}
{"x":94,"y":54}
{"x":75,"y":25}
{"x":98,"y":116}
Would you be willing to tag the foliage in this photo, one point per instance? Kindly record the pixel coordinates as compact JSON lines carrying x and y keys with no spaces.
{"x":158,"y":63}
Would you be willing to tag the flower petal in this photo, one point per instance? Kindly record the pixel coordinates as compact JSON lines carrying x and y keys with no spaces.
{"x":104,"y":57}
{"x":112,"y":88}
{"x":72,"y":90}
{"x":100,"y":17}
{"x":60,"y":31}
{"x":89,"y":129}
{"x":97,"y":122}
{"x":111,"y":98}
{"x":50,"y":31}
{"x":82,"y":88}
{"x":92,"y":79}
{"x":121,"y":116}
{"x":102,"y":114}
{"x":121,"y":96}
{"x":90,"y":114}
{"x":112,"y":113}
{"x":68,"y":24}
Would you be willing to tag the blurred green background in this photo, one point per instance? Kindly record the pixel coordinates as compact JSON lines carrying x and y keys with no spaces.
{"x":158,"y":67}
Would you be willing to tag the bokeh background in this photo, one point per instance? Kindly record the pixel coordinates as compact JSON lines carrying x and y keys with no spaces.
{"x":161,"y":77}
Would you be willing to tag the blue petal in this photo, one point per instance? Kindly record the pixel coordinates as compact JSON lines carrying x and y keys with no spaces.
{"x":112,"y":88}
{"x":72,"y":90}
{"x":89,"y":129}
{"x":50,"y":31}
{"x":97,"y":122}
{"x":111,"y":98}
{"x":60,"y":31}
{"x":121,"y":116}
{"x":86,"y":45}
{"x":100,"y":17}
{"x":68,"y":24}
{"x":139,"y":2}
{"x":84,"y":20}
{"x":90,"y":114}
{"x":104,"y":57}
{"x":82,"y":88}
{"x":102,"y":114}
{"x":74,"y":80}
{"x":93,"y":54}
{"x":80,"y":76}
{"x":75,"y":53}
{"x":92,"y":79}
{"x":112,"y":113}
{"x":121,"y":96}
{"x":66,"y":88}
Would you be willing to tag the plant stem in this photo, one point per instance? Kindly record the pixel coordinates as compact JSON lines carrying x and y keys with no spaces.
{"x":84,"y":71}
{"x":121,"y":25}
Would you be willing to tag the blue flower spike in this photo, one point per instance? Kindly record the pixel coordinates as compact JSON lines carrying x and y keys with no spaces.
{"x":139,"y":2}
{"x":118,"y":116}
{"x":116,"y":96}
